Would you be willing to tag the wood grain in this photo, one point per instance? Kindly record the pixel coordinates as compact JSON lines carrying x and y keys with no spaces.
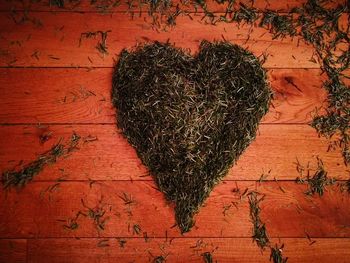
{"x":184,"y":250}
{"x":137,"y":249}
{"x":111,"y":157}
{"x":175,"y":250}
{"x":56,"y":42}
{"x":85,"y":6}
{"x":84,"y":96}
{"x":13,"y":250}
{"x":35,"y":211}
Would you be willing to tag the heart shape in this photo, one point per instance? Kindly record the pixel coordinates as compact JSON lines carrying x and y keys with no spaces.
{"x":189,"y":118}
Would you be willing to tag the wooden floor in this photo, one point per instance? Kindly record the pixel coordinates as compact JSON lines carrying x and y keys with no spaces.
{"x":51,"y":85}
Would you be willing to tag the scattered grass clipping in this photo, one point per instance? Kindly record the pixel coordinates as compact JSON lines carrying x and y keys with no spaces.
{"x":19,"y":178}
{"x":259,"y":228}
{"x":101,"y":45}
{"x":207,"y":257}
{"x":276,"y":254}
{"x":318,"y":182}
{"x":260,"y":236}
{"x":189,"y":118}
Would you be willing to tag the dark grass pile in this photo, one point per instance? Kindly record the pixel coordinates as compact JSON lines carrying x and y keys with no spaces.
{"x":189,"y":118}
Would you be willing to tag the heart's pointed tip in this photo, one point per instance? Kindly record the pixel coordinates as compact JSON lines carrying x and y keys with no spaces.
{"x":184,"y":217}
{"x":186,"y":226}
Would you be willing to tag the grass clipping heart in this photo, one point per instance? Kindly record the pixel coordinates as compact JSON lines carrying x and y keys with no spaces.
{"x":189,"y":117}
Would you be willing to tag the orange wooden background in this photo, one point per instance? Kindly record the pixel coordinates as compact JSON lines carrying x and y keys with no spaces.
{"x":49,"y":83}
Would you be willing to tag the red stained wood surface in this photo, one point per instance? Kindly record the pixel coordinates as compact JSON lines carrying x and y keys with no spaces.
{"x":13,"y":250}
{"x":184,"y":250}
{"x":52,"y":86}
{"x":43,"y":209}
{"x":122,"y":6}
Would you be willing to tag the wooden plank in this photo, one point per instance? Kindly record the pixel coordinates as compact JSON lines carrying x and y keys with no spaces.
{"x":112,"y":158}
{"x":184,"y":250}
{"x":13,"y":250}
{"x":52,"y":40}
{"x":84,"y":96}
{"x":56,"y":96}
{"x":35,"y":212}
{"x":286,"y":206}
{"x":123,"y":6}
